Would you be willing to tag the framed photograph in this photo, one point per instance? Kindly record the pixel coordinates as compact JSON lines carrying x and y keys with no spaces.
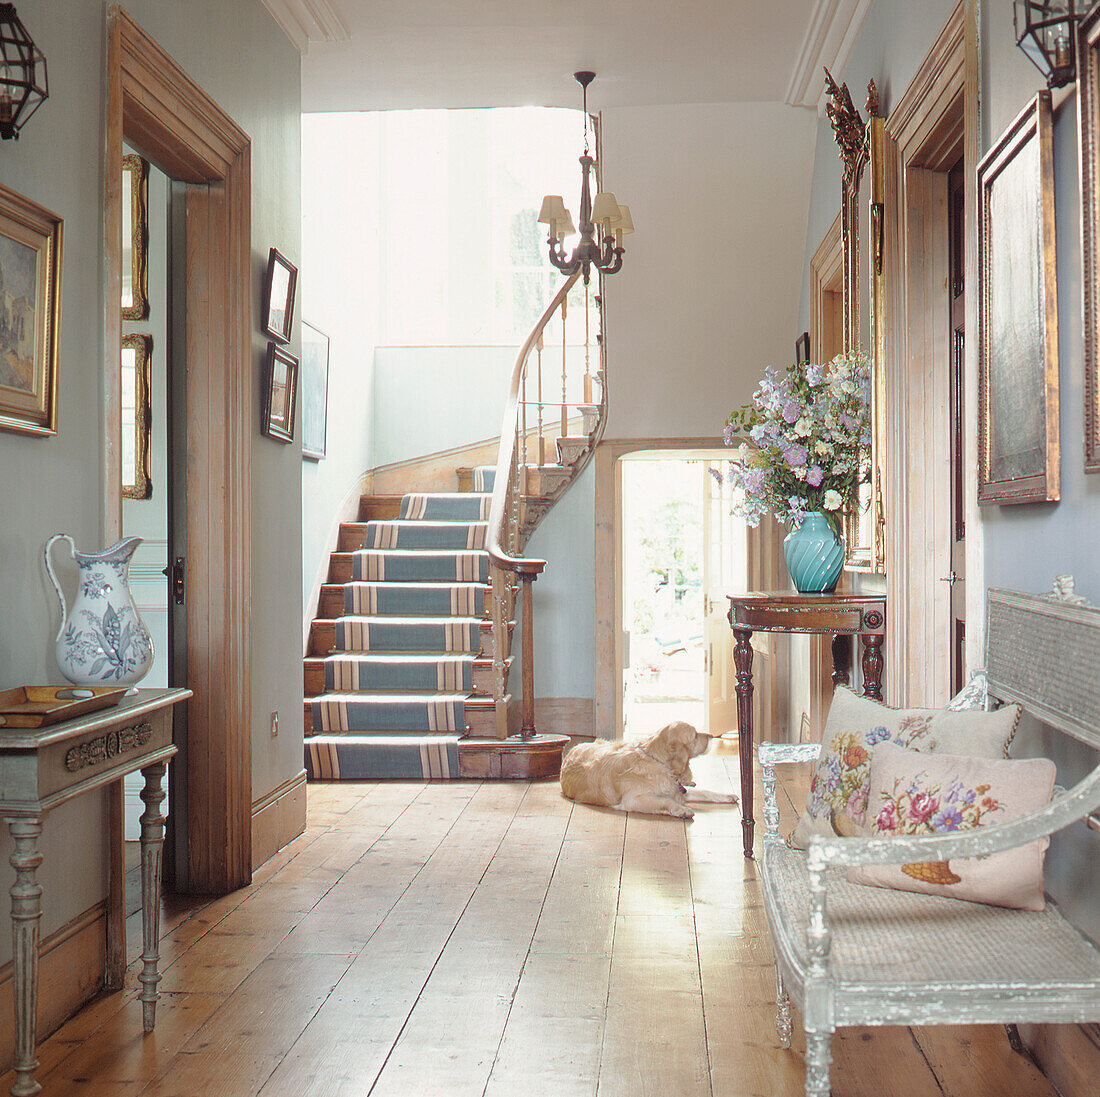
{"x":1088,"y":118}
{"x":135,"y":238}
{"x":30,"y":314}
{"x":1018,"y":442}
{"x":802,"y":348}
{"x":314,"y":392}
{"x":137,"y":415}
{"x":282,"y":277}
{"x":280,"y":394}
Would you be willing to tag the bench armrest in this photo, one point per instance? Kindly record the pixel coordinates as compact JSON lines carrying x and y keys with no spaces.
{"x":771,"y":754}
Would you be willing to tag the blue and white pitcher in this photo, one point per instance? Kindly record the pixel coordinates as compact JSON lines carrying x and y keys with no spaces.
{"x":102,"y":639}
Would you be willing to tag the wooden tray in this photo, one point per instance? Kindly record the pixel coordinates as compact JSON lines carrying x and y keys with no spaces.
{"x":37,"y":706}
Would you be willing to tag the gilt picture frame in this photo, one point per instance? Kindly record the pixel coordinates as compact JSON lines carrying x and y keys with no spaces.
{"x":30,"y":314}
{"x":279,"y":286}
{"x":1019,"y":450}
{"x":314,"y":392}
{"x":1088,"y":159}
{"x":280,"y":395}
{"x":135,"y":237}
{"x":137,"y":416}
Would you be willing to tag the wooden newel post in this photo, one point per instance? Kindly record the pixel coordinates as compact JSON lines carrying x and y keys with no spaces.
{"x":528,"y":728}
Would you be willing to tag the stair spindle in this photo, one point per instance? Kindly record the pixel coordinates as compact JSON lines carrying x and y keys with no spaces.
{"x":587,"y":361}
{"x":564,"y":366}
{"x":542,"y":440}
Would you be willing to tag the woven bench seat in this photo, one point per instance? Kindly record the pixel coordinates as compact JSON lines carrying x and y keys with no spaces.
{"x":889,"y":947}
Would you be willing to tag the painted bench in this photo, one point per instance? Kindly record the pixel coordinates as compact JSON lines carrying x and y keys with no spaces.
{"x":848,"y":954}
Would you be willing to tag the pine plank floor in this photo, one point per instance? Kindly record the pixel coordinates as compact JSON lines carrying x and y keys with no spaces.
{"x":491,"y":940}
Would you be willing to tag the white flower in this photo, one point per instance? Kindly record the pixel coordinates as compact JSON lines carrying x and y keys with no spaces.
{"x":802,"y":427}
{"x":832,"y":500}
{"x":823,"y":449}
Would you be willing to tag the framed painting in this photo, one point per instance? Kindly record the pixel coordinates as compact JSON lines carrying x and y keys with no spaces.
{"x":1018,"y":440}
{"x":137,"y":414}
{"x":30,"y":314}
{"x":314,"y":385}
{"x":1088,"y":136}
{"x":135,"y":237}
{"x":802,"y":348}
{"x":280,"y":395}
{"x":279,"y":285}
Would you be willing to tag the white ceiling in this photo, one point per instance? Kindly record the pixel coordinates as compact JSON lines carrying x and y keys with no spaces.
{"x":398,"y":54}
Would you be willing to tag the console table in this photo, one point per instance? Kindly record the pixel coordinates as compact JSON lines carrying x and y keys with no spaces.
{"x":43,"y":767}
{"x":838,"y":615}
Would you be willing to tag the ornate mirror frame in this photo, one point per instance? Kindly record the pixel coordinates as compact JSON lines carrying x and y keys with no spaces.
{"x":862,"y":150}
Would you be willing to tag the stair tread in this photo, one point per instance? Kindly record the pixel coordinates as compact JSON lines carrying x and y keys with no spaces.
{"x":379,"y":696}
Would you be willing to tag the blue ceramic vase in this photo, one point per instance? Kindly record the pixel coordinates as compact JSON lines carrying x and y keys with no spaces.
{"x":814,"y":554}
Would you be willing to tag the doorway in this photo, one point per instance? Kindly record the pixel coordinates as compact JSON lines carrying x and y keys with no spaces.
{"x":158,"y":110}
{"x":682,"y":554}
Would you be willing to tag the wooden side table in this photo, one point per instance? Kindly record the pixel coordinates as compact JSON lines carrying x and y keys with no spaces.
{"x":838,"y":615}
{"x":43,"y":767}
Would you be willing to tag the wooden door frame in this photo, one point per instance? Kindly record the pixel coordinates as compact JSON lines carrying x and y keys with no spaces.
{"x":763,"y":566}
{"x":936,"y":116}
{"x":158,"y":109}
{"x":826,"y":341}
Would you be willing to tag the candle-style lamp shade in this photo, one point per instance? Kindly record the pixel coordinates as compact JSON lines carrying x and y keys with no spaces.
{"x":23,"y":86}
{"x":1046,"y":30}
{"x":605,"y":212}
{"x":554,"y":214}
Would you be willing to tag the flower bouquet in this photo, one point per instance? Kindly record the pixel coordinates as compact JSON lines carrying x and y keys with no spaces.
{"x":810,"y":429}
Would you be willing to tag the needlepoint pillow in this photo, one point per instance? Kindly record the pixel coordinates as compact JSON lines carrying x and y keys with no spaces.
{"x":920,"y":794}
{"x":837,"y":803}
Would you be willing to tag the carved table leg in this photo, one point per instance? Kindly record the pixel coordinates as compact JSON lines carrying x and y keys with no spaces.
{"x":872,"y":666}
{"x":742,"y":660}
{"x":26,"y":911}
{"x":152,"y":840}
{"x":842,"y":659}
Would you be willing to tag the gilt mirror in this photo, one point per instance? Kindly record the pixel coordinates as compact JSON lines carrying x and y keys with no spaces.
{"x":861,"y":149}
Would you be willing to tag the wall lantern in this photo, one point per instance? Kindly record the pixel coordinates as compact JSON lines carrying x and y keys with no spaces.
{"x":1047,"y":33}
{"x":605,"y":215}
{"x":22,"y":74}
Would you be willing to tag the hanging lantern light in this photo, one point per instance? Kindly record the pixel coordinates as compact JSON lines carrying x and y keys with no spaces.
{"x":1046,"y":30}
{"x":23,"y":87}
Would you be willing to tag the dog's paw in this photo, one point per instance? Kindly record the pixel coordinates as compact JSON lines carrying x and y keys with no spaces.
{"x":681,"y":811}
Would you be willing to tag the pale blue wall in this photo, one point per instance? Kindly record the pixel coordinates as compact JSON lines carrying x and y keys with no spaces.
{"x":1025,"y":546}
{"x":237,"y":53}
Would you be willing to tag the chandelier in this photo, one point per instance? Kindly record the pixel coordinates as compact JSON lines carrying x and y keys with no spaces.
{"x":605,"y":214}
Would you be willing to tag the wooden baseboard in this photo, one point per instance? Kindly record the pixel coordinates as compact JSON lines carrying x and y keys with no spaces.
{"x":70,"y":973}
{"x":1067,"y":1055}
{"x":278,"y":819}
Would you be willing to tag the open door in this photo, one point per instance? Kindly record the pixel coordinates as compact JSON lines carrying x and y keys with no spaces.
{"x":725,"y":572}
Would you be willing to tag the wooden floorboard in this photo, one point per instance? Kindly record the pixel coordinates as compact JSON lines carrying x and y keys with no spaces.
{"x":491,"y":940}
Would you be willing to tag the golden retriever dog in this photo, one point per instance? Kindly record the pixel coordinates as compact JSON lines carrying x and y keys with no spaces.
{"x":649,"y":775}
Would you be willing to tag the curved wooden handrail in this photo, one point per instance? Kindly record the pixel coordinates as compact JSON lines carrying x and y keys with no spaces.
{"x":498,"y":554}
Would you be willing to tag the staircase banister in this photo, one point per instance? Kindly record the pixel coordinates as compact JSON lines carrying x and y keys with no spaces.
{"x":498,"y":555}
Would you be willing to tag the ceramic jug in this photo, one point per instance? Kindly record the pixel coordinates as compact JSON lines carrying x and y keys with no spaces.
{"x":102,"y":639}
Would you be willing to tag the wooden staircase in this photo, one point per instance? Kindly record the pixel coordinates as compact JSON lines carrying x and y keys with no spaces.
{"x":481,"y":752}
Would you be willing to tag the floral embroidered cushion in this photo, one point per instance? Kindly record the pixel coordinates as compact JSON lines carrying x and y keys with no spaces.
{"x":914,"y":793}
{"x":837,"y":803}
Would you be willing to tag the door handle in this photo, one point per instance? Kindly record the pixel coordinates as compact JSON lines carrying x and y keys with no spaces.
{"x":952,"y":578}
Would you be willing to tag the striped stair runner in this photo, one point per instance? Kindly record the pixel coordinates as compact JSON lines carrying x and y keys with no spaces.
{"x":398,"y":682}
